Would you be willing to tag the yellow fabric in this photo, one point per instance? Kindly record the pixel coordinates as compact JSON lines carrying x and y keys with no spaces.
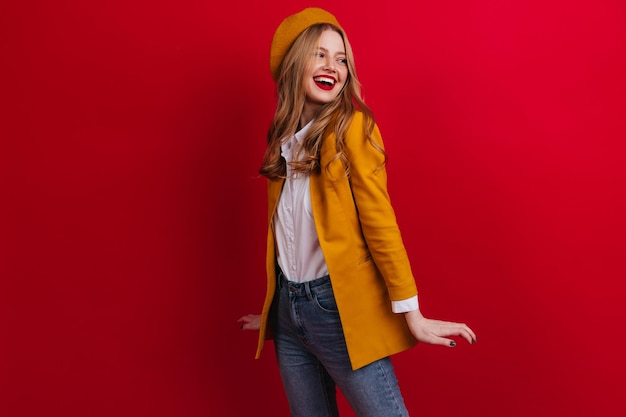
{"x":289,"y":30}
{"x":362,"y":246}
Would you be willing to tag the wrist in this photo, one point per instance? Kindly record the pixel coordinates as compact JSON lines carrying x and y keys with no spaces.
{"x":413,"y":315}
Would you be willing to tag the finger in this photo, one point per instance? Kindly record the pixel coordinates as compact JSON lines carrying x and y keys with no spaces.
{"x":247,"y":318}
{"x":457,"y":329}
{"x":250,"y":322}
{"x":250,"y":326}
{"x":460,"y":330}
{"x":442,"y":341}
{"x":467,"y":334}
{"x":473,"y":335}
{"x":246,"y":326}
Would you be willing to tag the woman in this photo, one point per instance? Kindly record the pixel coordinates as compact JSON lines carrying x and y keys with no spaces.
{"x":341,"y":297}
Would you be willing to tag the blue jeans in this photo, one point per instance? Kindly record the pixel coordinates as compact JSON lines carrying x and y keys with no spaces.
{"x":312,"y":357}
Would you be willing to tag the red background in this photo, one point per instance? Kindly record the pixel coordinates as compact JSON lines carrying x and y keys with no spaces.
{"x":133,"y":219}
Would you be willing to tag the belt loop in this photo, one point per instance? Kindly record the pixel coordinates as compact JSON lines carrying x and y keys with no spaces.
{"x":307,"y":288}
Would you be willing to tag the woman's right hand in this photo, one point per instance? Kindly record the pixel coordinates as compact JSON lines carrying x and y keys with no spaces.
{"x":437,"y":332}
{"x":250,"y":322}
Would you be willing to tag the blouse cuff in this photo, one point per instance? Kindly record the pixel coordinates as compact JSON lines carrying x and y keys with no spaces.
{"x":403,"y":306}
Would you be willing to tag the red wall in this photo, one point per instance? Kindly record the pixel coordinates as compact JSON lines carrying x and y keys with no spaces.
{"x":133,"y":219}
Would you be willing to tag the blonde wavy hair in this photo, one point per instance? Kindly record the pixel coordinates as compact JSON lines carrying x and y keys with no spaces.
{"x":335,"y":115}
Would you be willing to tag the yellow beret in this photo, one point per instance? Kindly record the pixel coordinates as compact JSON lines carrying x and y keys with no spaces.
{"x":291,"y":28}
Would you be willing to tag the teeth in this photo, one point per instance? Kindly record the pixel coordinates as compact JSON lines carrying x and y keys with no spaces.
{"x":324,"y":80}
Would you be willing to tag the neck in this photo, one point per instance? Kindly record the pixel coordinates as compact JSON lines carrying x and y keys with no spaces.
{"x":305,"y":119}
{"x":308,"y":112}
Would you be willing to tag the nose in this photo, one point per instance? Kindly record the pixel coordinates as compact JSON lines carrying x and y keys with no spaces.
{"x":330,"y":64}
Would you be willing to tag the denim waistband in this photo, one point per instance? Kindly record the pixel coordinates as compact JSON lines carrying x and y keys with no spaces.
{"x":301,"y":288}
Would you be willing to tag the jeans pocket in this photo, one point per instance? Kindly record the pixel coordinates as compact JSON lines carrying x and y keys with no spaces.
{"x":325,"y":300}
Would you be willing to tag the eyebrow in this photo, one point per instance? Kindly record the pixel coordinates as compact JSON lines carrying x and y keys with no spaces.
{"x":326,"y":50}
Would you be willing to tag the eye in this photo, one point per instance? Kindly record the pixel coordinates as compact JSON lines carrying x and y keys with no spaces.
{"x":319,"y":54}
{"x":343,"y":61}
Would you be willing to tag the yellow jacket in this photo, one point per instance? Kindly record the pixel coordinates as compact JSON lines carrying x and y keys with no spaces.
{"x":362,"y":247}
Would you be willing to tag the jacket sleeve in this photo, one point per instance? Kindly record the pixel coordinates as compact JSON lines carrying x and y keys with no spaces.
{"x":368,"y":180}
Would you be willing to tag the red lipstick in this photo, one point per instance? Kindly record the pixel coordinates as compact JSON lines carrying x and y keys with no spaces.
{"x":325,"y":82}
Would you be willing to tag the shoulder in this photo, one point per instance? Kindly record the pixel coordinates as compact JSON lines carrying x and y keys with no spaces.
{"x":358,"y":123}
{"x":363,"y":128}
{"x":363,"y":144}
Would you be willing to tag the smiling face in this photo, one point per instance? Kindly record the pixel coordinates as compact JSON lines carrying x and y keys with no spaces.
{"x":326,"y":72}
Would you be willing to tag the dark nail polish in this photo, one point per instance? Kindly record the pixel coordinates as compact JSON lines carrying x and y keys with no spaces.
{"x":452,"y":344}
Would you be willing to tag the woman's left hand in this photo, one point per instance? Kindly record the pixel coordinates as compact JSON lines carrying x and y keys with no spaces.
{"x":250,"y":322}
{"x":437,"y":332}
